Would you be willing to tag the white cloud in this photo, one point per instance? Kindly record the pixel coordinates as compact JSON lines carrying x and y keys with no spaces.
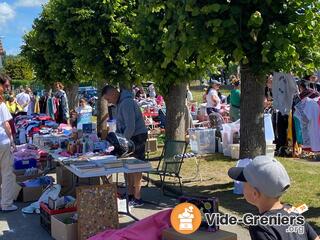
{"x":6,"y":12}
{"x":30,"y":3}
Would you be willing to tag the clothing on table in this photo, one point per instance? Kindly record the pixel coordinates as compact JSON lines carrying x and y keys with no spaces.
{"x":279,"y":232}
{"x":7,"y":175}
{"x":129,"y":117}
{"x":283,"y":90}
{"x":5,"y":116}
{"x":62,"y":107}
{"x":23,"y":99}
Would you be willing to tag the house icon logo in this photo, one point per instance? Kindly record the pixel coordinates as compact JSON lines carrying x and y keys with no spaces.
{"x":185,"y":218}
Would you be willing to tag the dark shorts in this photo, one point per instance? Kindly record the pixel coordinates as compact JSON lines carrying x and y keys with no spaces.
{"x":211,"y":110}
{"x":140,"y":145}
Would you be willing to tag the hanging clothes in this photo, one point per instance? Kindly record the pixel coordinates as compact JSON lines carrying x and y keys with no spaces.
{"x":284,"y":88}
{"x":50,"y":108}
{"x":36,"y":105}
{"x":62,"y":107}
{"x":300,"y":115}
{"x":312,"y":112}
{"x":43,"y":104}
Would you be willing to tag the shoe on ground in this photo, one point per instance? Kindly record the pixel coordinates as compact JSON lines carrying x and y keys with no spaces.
{"x":136,"y":203}
{"x":123,"y":196}
{"x":10,"y":208}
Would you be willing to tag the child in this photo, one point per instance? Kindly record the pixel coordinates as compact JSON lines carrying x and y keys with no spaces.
{"x":265,"y":180}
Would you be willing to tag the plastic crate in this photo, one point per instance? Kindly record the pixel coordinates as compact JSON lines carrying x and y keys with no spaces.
{"x":235,"y":151}
{"x":46,"y":213}
{"x":25,"y":164}
{"x":202,"y":140}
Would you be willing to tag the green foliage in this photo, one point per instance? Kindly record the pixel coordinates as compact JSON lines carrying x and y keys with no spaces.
{"x":97,"y":33}
{"x":266,"y":35}
{"x":18,"y":68}
{"x":51,"y":62}
{"x":167,"y":47}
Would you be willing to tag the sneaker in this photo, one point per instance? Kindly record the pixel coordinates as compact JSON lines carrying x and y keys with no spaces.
{"x":136,"y":203}
{"x":123,"y":196}
{"x":10,"y":208}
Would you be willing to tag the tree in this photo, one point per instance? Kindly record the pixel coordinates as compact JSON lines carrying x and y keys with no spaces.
{"x":166,"y":51}
{"x":18,"y":68}
{"x":52,"y":62}
{"x":263,"y":36}
{"x":97,"y":32}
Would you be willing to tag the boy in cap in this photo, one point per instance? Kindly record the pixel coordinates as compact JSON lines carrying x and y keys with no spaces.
{"x":265,"y":180}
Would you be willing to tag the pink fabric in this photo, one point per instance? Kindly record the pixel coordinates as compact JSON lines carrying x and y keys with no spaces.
{"x":149,"y":228}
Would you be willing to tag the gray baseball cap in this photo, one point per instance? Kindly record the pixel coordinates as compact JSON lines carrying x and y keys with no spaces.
{"x":264,"y":173}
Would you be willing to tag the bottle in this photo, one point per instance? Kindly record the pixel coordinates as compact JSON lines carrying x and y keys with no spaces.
{"x":84,"y":146}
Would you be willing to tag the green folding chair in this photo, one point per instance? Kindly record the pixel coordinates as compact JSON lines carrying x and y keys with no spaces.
{"x":170,"y":162}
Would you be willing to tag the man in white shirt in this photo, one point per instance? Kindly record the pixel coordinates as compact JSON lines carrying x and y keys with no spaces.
{"x":23,"y":99}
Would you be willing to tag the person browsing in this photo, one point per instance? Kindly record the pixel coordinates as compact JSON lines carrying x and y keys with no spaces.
{"x":129,"y":123}
{"x":212,"y":97}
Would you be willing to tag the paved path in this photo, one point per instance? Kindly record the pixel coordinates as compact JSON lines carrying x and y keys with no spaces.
{"x":19,"y":226}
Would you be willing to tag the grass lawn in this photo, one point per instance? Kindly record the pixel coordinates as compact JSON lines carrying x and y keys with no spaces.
{"x":198,"y":93}
{"x":305,"y":187}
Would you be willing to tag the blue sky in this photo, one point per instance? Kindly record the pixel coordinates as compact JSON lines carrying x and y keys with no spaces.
{"x":16,"y":18}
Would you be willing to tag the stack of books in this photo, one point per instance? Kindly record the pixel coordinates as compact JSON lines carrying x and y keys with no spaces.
{"x":136,"y":164}
{"x":87,"y":167}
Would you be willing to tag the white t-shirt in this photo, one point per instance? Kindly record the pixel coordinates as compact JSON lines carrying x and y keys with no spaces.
{"x":4,"y":117}
{"x":210,"y":102}
{"x":22,"y":99}
{"x":84,"y":115}
{"x":189,"y":96}
{"x":312,"y":112}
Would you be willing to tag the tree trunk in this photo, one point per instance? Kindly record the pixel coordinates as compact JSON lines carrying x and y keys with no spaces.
{"x":102,"y":106}
{"x":252,"y":139}
{"x":72,"y":94}
{"x":175,"y":113}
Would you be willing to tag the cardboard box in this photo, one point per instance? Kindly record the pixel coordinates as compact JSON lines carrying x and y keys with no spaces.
{"x":30,"y":194}
{"x":68,"y":182}
{"x":62,"y":231}
{"x":151,"y":145}
{"x":171,"y":234}
{"x":20,"y":177}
